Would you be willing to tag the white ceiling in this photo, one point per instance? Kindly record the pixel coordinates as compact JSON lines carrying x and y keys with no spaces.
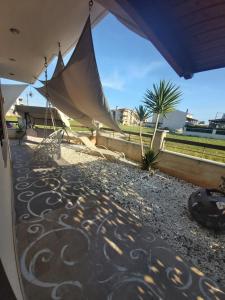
{"x":42,"y":24}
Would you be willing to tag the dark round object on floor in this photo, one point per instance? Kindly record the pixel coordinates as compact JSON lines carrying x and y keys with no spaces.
{"x":207,"y":206}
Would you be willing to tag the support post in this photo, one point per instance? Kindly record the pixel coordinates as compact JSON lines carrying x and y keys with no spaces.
{"x":159,"y":140}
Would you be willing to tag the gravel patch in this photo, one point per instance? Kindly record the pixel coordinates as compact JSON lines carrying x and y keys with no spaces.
{"x":160,"y":201}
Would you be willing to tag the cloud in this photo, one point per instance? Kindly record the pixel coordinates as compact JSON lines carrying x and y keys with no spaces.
{"x":114,"y":81}
{"x":138,"y":71}
{"x":119,"y":77}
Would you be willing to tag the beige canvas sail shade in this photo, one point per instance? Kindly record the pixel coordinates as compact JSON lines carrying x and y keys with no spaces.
{"x":78,"y":85}
{"x":10,"y":92}
{"x":58,"y":68}
{"x":59,"y":100}
{"x":59,"y":65}
{"x":62,"y":102}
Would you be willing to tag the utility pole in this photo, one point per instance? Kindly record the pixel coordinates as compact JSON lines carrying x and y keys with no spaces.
{"x":116,"y":113}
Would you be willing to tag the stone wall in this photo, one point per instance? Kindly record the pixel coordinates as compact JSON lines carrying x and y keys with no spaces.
{"x":198,"y":171}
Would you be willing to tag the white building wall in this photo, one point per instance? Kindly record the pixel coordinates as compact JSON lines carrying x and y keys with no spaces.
{"x":173,"y":120}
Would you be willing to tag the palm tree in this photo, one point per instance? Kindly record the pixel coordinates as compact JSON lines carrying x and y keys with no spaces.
{"x":162,"y":99}
{"x":141,"y":114}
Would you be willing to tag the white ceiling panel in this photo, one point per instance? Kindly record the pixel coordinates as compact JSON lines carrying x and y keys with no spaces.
{"x":40,"y":25}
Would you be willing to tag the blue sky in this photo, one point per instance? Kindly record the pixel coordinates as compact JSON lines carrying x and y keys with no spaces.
{"x":129,"y":64}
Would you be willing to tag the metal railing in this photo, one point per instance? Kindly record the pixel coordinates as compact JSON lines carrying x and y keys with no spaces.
{"x":202,"y":150}
{"x":205,"y":145}
{"x":192,"y":148}
{"x":130,"y":136}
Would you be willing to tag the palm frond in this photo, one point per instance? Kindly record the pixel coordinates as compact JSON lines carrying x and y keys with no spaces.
{"x":141,"y":113}
{"x":163,"y":98}
{"x":149,"y":160}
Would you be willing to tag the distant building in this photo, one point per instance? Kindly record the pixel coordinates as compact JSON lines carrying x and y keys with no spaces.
{"x":201,"y":123}
{"x":175,"y":120}
{"x":124,"y":116}
{"x":218,"y":122}
{"x":190,"y":120}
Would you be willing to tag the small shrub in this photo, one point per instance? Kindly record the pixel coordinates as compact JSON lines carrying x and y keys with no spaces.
{"x":149,"y":160}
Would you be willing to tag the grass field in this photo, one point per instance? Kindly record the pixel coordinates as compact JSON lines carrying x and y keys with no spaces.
{"x":136,"y":128}
{"x":74,"y":124}
{"x":176,"y":136}
{"x":212,"y":154}
{"x":11,"y":118}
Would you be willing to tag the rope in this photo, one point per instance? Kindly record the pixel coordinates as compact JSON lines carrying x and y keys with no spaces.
{"x":52,"y":116}
{"x":50,"y":145}
{"x":46,"y":94}
{"x":48,"y":104}
{"x":90,"y":5}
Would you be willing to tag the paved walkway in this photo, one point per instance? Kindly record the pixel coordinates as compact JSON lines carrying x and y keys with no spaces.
{"x":74,"y":243}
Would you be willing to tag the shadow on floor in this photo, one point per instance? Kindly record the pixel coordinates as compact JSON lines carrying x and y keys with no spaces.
{"x":75,"y":242}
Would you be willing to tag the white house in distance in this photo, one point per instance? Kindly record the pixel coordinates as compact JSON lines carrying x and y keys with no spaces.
{"x":175,"y":120}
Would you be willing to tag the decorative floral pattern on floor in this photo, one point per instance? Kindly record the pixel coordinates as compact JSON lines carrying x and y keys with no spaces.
{"x":76,"y":243}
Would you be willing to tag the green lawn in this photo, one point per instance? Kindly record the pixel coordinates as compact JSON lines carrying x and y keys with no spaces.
{"x":212,"y":154}
{"x":11,"y":118}
{"x":176,"y":136}
{"x":136,"y":128}
{"x":76,"y":126}
{"x":197,"y":139}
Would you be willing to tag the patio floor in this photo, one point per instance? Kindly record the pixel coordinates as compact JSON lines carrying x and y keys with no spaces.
{"x":75,"y":243}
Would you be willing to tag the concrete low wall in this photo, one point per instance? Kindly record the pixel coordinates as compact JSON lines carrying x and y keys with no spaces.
{"x":12,"y":133}
{"x":202,"y":172}
{"x":130,"y":149}
{"x":38,"y":132}
{"x":198,"y":171}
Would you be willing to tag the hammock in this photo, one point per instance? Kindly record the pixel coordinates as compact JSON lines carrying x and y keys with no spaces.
{"x":50,"y":147}
{"x":62,"y":103}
